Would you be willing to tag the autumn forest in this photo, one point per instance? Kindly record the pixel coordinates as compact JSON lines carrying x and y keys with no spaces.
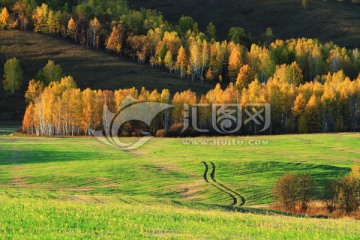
{"x":313,"y":87}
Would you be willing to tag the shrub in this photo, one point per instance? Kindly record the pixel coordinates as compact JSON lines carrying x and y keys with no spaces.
{"x":161,"y":133}
{"x":176,"y":130}
{"x":347,"y":194}
{"x":330,"y":197}
{"x":306,"y":187}
{"x":344,"y":192}
{"x":293,"y":190}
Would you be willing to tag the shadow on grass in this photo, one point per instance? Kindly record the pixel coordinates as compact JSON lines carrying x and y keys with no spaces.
{"x":321,"y":173}
{"x":10,"y":157}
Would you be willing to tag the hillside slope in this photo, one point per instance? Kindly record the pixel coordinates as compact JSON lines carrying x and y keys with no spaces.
{"x":328,"y":21}
{"x":90,"y":68}
{"x":172,"y":169}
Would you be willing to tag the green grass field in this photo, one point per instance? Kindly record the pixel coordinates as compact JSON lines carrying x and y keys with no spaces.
{"x":79,"y":188}
{"x":52,"y":219}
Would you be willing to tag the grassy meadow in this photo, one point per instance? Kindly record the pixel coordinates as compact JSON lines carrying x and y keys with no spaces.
{"x":79,"y":188}
{"x":53,"y":219}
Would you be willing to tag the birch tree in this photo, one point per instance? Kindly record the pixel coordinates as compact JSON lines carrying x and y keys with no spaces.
{"x":13,"y":75}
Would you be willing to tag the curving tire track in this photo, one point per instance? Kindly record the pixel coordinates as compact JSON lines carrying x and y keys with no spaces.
{"x":215,"y":184}
{"x":206,"y":172}
{"x":243,"y":200}
{"x":236,"y":197}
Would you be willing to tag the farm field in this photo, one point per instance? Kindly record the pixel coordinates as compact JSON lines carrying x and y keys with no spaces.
{"x":78,"y":187}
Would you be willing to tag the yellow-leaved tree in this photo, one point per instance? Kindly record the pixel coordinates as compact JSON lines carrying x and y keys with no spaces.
{"x":114,"y":41}
{"x":4,"y":18}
